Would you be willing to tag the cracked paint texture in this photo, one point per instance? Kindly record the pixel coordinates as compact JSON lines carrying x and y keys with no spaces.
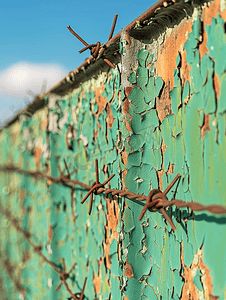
{"x":162,"y":111}
{"x":79,"y":128}
{"x":175,"y":123}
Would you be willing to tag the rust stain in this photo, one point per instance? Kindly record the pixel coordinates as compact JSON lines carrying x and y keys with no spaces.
{"x":50,"y":233}
{"x":95,"y":134}
{"x":44,"y":124}
{"x":170,"y":169}
{"x":189,"y":289}
{"x":124,"y":157}
{"x":128,"y":89}
{"x":206,"y":125}
{"x":38,"y":153}
{"x":124,"y":172}
{"x":111,"y":233}
{"x":105,"y":168}
{"x":97,"y":283}
{"x":223,"y":14}
{"x":113,"y":98}
{"x":184,"y":69}
{"x":217,"y":85}
{"x":209,"y":13}
{"x":125,"y":110}
{"x":97,"y":278}
{"x":109,"y":118}
{"x":202,"y":46}
{"x":128,"y":270}
{"x":162,"y":171}
{"x":101,"y":101}
{"x":163,"y":104}
{"x":49,"y":182}
{"x":170,"y":48}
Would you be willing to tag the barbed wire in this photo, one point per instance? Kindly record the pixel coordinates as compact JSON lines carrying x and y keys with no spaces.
{"x":156,"y":199}
{"x":63,"y":275}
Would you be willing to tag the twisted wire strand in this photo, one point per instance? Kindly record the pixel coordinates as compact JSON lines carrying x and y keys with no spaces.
{"x":195,"y":206}
{"x":27,"y":236}
{"x":155,"y":204}
{"x":37,"y":174}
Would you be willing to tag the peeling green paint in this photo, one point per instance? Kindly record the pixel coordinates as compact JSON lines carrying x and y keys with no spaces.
{"x":123,"y":130}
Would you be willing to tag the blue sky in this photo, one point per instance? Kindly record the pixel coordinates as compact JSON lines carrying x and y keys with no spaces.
{"x":36,"y":45}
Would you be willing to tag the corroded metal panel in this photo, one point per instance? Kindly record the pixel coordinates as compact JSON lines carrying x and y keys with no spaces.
{"x":159,"y":113}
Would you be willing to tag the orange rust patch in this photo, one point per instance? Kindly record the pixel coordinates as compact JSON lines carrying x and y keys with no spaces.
{"x":50,"y":233}
{"x":124,"y":157}
{"x":209,"y":13}
{"x":49,"y":181}
{"x":97,"y":283}
{"x":127,"y":38}
{"x":95,"y":133}
{"x":105,"y":168}
{"x":206,"y":125}
{"x":124,"y":160}
{"x":101,"y":101}
{"x":149,"y":64}
{"x":126,"y":298}
{"x":22,"y":194}
{"x":97,"y":278}
{"x":189,"y":289}
{"x":202,"y":46}
{"x":38,"y":155}
{"x":113,"y":98}
{"x":128,"y":270}
{"x":217,"y":85}
{"x":123,"y":180}
{"x":223,"y":14}
{"x":109,"y":118}
{"x":125,"y":110}
{"x":44,"y":123}
{"x":163,"y":104}
{"x":185,"y":68}
{"x":170,"y":169}
{"x":111,"y":233}
{"x":163,"y":149}
{"x":128,"y":89}
{"x":169,"y":49}
{"x":160,"y":173}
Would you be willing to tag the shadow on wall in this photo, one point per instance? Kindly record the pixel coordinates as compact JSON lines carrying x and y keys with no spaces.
{"x":209,"y":219}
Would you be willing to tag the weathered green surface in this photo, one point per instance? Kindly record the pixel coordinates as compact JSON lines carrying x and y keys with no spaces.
{"x":153,"y":251}
{"x":121,"y":124}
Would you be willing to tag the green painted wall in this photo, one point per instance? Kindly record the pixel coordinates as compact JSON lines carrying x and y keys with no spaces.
{"x":144,"y":124}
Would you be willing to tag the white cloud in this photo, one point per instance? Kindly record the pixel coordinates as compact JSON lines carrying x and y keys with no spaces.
{"x":23,"y":77}
{"x":21,"y":82}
